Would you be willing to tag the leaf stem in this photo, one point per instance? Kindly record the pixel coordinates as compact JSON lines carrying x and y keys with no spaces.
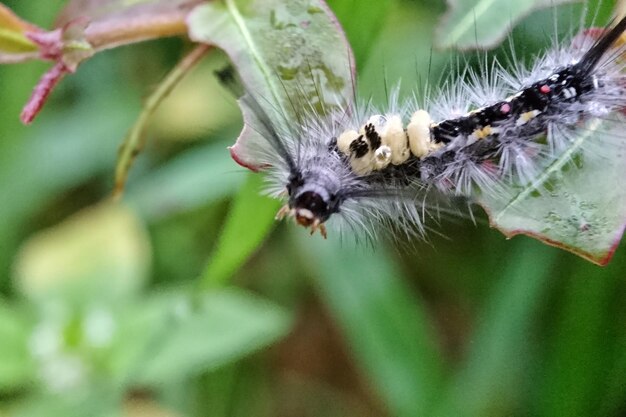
{"x":106,"y":35}
{"x":136,"y":139}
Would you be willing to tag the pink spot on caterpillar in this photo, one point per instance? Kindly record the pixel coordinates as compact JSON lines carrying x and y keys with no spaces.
{"x":490,"y":166}
{"x":545,"y":89}
{"x":505,"y":108}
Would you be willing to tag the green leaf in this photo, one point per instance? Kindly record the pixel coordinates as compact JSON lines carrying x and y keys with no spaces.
{"x":100,"y":251}
{"x":576,"y":373}
{"x":573,"y":203}
{"x":185,"y":183}
{"x":488,"y":382}
{"x":355,"y":18}
{"x":16,"y":367}
{"x":220,"y":327}
{"x":91,"y":402}
{"x":387,"y":329}
{"x":613,"y":387}
{"x":389,"y":63}
{"x":250,"y":219}
{"x":484,"y":23}
{"x":291,"y":56}
{"x":58,"y":156}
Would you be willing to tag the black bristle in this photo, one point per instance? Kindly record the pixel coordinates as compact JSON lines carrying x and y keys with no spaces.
{"x":595,"y":54}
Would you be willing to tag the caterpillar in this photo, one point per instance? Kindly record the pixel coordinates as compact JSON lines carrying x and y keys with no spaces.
{"x":363,"y":166}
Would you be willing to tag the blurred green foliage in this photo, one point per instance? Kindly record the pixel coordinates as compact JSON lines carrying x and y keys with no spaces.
{"x":186,"y":301}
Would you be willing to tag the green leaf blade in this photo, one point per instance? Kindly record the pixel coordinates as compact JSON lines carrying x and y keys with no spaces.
{"x":578,"y":347}
{"x":483,"y":24}
{"x":499,"y":354}
{"x":387,"y":330}
{"x":218,"y":328}
{"x":16,"y":365}
{"x":249,"y":221}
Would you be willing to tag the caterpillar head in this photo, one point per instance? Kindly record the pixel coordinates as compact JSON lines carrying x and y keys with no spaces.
{"x":310,"y":203}
{"x":313,"y":173}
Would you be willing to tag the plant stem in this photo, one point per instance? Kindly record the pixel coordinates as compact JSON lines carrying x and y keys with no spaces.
{"x":136,"y":139}
{"x":107,"y":35}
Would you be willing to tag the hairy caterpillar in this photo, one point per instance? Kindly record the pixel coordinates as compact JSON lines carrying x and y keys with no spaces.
{"x":361,"y":166}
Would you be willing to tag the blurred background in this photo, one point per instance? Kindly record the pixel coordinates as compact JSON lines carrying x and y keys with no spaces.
{"x":188,"y":300}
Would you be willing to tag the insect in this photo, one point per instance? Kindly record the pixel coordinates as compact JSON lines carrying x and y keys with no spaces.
{"x":364,"y":166}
